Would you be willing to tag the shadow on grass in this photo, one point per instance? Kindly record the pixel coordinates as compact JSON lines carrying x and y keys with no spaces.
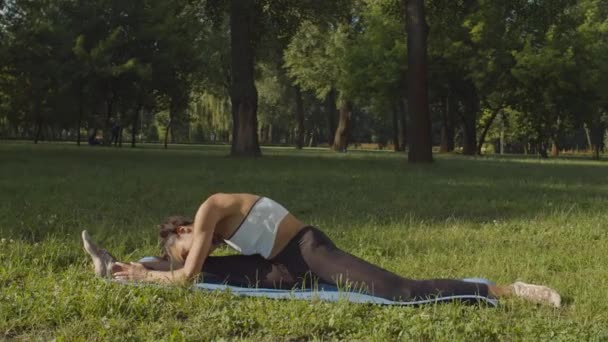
{"x":59,"y":188}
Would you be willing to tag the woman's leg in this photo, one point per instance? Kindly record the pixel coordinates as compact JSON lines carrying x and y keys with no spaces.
{"x":102,"y":260}
{"x":333,"y":265}
{"x":249,"y":271}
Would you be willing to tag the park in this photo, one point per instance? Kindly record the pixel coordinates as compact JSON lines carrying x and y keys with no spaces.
{"x":433,"y":139}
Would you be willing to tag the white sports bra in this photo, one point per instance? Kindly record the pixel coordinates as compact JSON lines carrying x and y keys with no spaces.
{"x":257,"y":232}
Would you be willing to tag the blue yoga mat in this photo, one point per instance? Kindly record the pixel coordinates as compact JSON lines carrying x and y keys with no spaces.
{"x":330,"y":293}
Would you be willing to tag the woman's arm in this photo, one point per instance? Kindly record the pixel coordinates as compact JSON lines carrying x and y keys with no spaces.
{"x":160,"y":264}
{"x":208,"y":215}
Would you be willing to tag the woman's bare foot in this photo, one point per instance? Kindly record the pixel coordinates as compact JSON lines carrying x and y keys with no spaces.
{"x":102,"y":260}
{"x":537,"y":294}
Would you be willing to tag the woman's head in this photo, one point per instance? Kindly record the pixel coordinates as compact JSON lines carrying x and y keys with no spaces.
{"x":176,"y":237}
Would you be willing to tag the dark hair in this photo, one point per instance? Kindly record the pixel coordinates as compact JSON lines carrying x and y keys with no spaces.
{"x":168,"y":230}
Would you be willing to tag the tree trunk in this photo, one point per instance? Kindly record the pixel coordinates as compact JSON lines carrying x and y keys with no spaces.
{"x":312,"y":142}
{"x":554,"y":149}
{"x":502,"y":133}
{"x":172,"y":115}
{"x":175,"y":104}
{"x":243,"y":93}
{"x":396,"y":145}
{"x":469,"y":147}
{"x":555,"y":141}
{"x":330,"y":107}
{"x":598,"y":131}
{"x":136,"y":114}
{"x":588,"y":135}
{"x":420,"y":121}
{"x":269,"y":136}
{"x":38,"y":131}
{"x":542,"y":150}
{"x":107,"y":134}
{"x":541,"y":141}
{"x":261,"y":134}
{"x":402,"y":125}
{"x":80,"y":115}
{"x":167,"y":130}
{"x":486,"y":128}
{"x":447,"y":126}
{"x":299,"y":119}
{"x":38,"y":122}
{"x":78,"y":130}
{"x":341,"y":137}
{"x":469,"y":119}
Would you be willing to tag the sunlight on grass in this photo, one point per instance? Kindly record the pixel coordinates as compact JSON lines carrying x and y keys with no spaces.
{"x":502,"y":219}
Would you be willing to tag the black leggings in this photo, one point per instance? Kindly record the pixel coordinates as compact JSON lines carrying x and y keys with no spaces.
{"x":311,"y":256}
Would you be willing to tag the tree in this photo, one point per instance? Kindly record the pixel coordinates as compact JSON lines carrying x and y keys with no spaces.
{"x":531,"y":74}
{"x":376,"y":74}
{"x":36,"y":39}
{"x":313,"y":62}
{"x":546,"y":69}
{"x":471,"y":45}
{"x":299,"y":116}
{"x":244,"y":19}
{"x":590,"y":48}
{"x":420,"y":122}
{"x":276,"y":104}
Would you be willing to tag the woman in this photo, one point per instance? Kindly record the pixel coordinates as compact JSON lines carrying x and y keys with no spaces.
{"x":279,"y":251}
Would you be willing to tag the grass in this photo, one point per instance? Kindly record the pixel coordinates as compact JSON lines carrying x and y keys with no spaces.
{"x":503,"y":219}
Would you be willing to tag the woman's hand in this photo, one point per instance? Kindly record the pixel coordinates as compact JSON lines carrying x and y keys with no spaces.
{"x":130,"y":271}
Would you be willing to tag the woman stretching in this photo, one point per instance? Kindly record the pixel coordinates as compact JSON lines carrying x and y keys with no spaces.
{"x":279,"y":251}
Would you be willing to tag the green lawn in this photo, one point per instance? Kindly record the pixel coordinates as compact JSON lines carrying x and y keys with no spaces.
{"x":504,"y":219}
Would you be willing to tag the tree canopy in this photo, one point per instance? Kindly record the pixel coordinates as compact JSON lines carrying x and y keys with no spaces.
{"x":518,"y":76}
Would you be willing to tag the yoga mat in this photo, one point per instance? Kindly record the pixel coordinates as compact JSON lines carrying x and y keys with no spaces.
{"x":330,"y":293}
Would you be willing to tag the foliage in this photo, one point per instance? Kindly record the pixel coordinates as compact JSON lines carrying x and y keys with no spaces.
{"x":212,"y":113}
{"x":66,"y":56}
{"x":71,"y":63}
{"x":313,"y":58}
